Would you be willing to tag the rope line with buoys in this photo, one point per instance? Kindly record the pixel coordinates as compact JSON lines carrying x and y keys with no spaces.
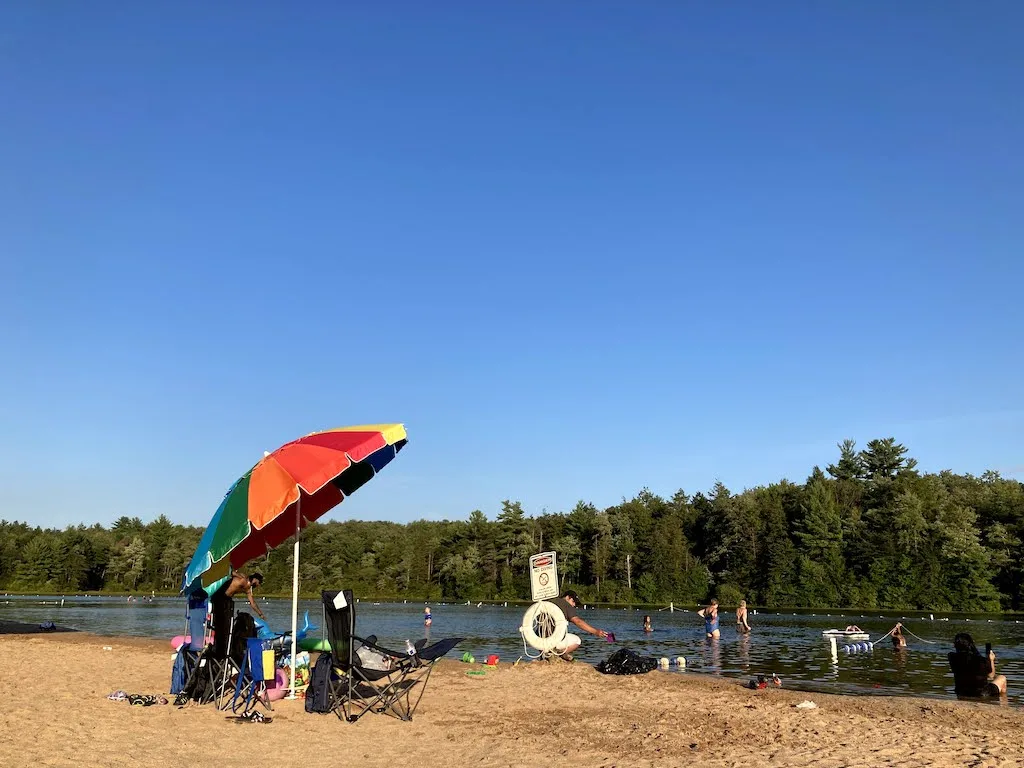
{"x":903,"y":627}
{"x":932,"y":642}
{"x":862,"y":646}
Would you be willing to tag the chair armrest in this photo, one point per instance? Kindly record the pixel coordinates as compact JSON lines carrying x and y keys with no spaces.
{"x":438,"y":649}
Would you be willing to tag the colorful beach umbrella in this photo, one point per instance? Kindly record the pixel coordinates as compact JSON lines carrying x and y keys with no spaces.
{"x":286,"y":490}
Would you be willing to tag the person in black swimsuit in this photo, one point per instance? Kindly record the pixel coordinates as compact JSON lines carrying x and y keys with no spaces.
{"x":974,"y":674}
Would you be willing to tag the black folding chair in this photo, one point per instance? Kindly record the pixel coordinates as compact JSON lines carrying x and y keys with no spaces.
{"x":207,"y":655}
{"x":211,"y":678}
{"x":229,"y":662}
{"x":367,"y":677}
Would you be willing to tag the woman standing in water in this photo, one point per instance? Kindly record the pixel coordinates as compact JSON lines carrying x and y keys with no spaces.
{"x":741,"y":618}
{"x":647,"y":624}
{"x":710,"y":616}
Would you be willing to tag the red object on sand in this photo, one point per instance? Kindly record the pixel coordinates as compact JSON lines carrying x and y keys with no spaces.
{"x":492,"y":660}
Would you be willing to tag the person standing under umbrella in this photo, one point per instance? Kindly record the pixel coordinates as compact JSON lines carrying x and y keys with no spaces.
{"x":223,"y":604}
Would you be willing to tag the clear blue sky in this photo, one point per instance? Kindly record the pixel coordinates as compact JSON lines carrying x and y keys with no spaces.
{"x":577,"y":248}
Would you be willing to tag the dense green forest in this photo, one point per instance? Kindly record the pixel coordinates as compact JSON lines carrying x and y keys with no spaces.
{"x":870,"y":531}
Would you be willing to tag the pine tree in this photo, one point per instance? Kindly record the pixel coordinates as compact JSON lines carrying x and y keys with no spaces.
{"x":849,"y":466}
{"x":820,"y":533}
{"x":884,"y":459}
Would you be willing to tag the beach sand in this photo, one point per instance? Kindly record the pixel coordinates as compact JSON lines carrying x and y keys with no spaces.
{"x":54,"y":712}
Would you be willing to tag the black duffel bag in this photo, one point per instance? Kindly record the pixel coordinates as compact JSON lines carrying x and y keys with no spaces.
{"x":627,"y":662}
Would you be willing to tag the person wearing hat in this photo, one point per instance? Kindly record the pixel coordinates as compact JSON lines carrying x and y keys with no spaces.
{"x":568,"y":604}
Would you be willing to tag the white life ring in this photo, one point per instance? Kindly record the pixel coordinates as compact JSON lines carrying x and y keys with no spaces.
{"x":544,"y":626}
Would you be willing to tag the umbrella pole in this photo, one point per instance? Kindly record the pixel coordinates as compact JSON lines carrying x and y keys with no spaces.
{"x":295,"y":590}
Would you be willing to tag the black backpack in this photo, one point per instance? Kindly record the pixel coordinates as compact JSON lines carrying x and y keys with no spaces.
{"x":245,"y":628}
{"x":318,"y":694}
{"x":198,"y":687}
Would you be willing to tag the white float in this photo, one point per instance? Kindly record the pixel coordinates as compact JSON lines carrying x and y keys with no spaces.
{"x":844,"y":634}
{"x":544,"y":628}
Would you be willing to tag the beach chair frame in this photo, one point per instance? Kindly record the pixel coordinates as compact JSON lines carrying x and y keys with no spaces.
{"x":356,"y":689}
{"x":251,"y":686}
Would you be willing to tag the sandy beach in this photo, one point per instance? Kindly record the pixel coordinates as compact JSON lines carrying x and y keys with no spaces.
{"x":55,"y":713}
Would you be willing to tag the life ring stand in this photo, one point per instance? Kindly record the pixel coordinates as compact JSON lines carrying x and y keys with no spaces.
{"x":544,"y":628}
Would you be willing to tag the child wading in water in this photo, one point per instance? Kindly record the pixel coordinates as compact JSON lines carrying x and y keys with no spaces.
{"x":427,"y":621}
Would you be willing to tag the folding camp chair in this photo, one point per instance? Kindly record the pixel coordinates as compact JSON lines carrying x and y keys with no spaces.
{"x":228,"y":667}
{"x":367,"y":677}
{"x":207,"y":635}
{"x":251,"y":684}
{"x":211,"y":676}
{"x":196,"y":614}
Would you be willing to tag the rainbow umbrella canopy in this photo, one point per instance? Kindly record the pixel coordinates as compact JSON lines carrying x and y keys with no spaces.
{"x":284,"y":492}
{"x":296,"y":484}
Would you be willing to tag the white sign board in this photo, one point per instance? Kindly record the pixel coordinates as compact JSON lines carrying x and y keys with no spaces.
{"x":543,"y":576}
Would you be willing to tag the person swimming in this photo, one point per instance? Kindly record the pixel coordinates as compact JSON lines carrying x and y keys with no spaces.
{"x":647,"y":624}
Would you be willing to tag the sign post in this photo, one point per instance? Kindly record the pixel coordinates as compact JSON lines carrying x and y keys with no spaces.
{"x":543,"y":576}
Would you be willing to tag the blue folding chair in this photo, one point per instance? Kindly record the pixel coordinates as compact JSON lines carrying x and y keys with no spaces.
{"x":257,"y":667}
{"x":196,"y":614}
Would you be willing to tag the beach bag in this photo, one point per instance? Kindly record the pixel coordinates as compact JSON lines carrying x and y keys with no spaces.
{"x":627,"y":662}
{"x":199,"y":687}
{"x":318,"y":694}
{"x":178,"y":672}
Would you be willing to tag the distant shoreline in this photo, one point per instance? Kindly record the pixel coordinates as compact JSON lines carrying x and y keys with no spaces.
{"x":917,"y":613}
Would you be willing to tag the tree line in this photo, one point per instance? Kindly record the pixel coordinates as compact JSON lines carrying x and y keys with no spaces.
{"x":870,"y":531}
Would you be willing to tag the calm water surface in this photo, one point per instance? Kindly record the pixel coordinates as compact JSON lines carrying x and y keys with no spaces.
{"x":788,"y":644}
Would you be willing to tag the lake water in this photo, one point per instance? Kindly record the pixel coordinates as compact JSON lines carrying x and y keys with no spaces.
{"x":788,"y":644}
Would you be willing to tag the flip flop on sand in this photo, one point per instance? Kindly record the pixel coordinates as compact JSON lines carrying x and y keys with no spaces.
{"x":118,"y":696}
{"x":251,"y":717}
{"x":144,"y":700}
